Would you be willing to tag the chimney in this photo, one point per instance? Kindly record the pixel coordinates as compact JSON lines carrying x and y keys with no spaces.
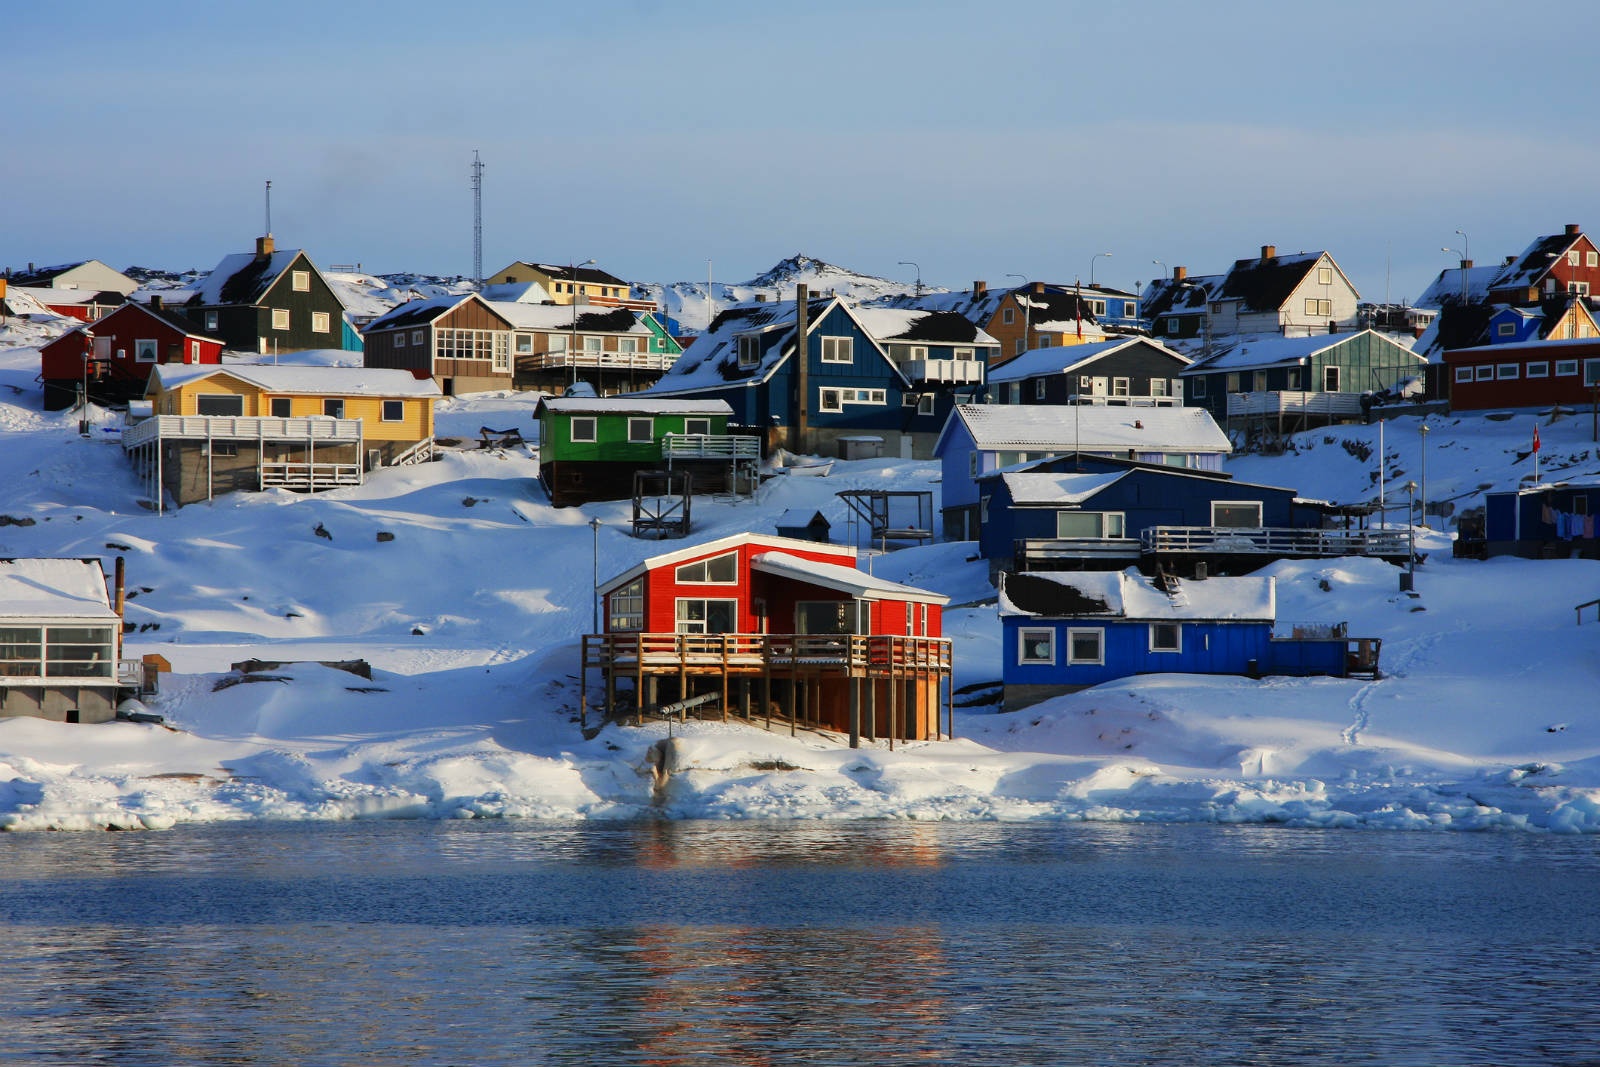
{"x":800,"y":425}
{"x":1179,"y":273}
{"x":1573,"y":229}
{"x":264,"y":246}
{"x":1466,"y":264}
{"x":155,"y":302}
{"x":1038,"y":288}
{"x":119,"y":586}
{"x":980,"y":287}
{"x":1510,"y":260}
{"x":1269,"y":252}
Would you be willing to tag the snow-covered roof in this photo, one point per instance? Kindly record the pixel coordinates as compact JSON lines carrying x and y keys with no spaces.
{"x":336,"y":381}
{"x":920,"y":324}
{"x":1064,"y":359}
{"x":712,"y":360}
{"x":242,"y":278}
{"x":1130,"y":595}
{"x":841,"y":579}
{"x":590,"y":318}
{"x":721,"y":544}
{"x":1260,"y":351}
{"x":1448,"y":287}
{"x":516,"y":293}
{"x":632,"y":405}
{"x":415,"y":312}
{"x":1529,"y":268}
{"x":1041,"y":427}
{"x":53,"y":589}
{"x":1027,"y":487}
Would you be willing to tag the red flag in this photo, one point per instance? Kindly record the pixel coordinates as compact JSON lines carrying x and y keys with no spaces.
{"x":1536,"y":438}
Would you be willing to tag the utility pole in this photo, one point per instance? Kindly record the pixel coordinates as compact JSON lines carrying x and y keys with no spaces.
{"x":477,"y":221}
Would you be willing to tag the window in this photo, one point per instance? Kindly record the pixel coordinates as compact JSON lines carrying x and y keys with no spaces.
{"x":1323,"y":308}
{"x":583,"y":429}
{"x":830,"y":401}
{"x":826,"y":617}
{"x":464,"y":344}
{"x":1158,"y":387}
{"x":1089,"y":524}
{"x":394,"y":411}
{"x":1538,"y":370}
{"x":1330,"y":379}
{"x":1008,"y":316}
{"x":73,"y":651}
{"x":641,"y":430}
{"x":1574,"y":258}
{"x":1591,"y":259}
{"x":211,"y":320}
{"x":749,"y":351}
{"x":222,"y":448}
{"x":838,"y":349}
{"x":556,"y":342}
{"x":972,"y":464}
{"x":416,"y":337}
{"x":1044,"y":340}
{"x":1085,"y":646}
{"x":1233,"y":381}
{"x":1020,"y":346}
{"x":1292,"y":379}
{"x":194,"y":351}
{"x":625,"y":607}
{"x":698,"y":615}
{"x":1463,"y":374}
{"x":1172,"y":327}
{"x":1036,"y":645}
{"x":333,"y":407}
{"x":1119,"y":387}
{"x":524,"y":344}
{"x":1236,"y":514}
{"x":319,"y":322}
{"x":1324,"y":275}
{"x":300,"y":281}
{"x":1591,"y":372}
{"x":219,"y":404}
{"x":718,"y":570}
{"x":1199,"y":388}
{"x":144,"y":350}
{"x":1130,"y":310}
{"x":281,"y":407}
{"x":627,"y":345}
{"x":697,"y":426}
{"x":280,"y":318}
{"x":1165,"y":637}
{"x":1038,"y":388}
{"x":1258,"y":381}
{"x":1507,"y":370}
{"x":925,"y":404}
{"x":593,"y":345}
{"x":1506,"y":329}
{"x":1485,"y":373}
{"x":400,"y":339}
{"x":1566,"y":368}
{"x":961,"y":353}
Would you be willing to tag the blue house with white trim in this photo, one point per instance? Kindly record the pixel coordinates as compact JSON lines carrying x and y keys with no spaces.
{"x":1065,"y":632}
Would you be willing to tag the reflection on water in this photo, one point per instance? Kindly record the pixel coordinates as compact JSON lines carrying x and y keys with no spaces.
{"x":732,"y":943}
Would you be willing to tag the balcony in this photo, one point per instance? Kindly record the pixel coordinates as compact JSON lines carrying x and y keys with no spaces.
{"x":1276,"y":542}
{"x":654,"y":362}
{"x":1054,"y":553}
{"x":1294,"y":402}
{"x":315,"y":428}
{"x":870,"y":655}
{"x":709,"y":446}
{"x":950,"y":371}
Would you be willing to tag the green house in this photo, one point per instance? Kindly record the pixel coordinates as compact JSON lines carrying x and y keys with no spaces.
{"x":590,"y":447}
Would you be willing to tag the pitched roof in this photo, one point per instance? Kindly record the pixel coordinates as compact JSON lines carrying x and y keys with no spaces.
{"x":1448,"y":287}
{"x":1029,"y":488}
{"x":840,"y":579}
{"x":53,"y":588}
{"x":415,"y":312}
{"x":335,"y":381}
{"x":629,"y":405}
{"x":1130,"y":595}
{"x":1265,"y":284}
{"x":1529,"y":269}
{"x":1164,"y":296}
{"x":1064,"y":359}
{"x":1041,"y":427}
{"x":571,"y":316}
{"x":977,"y":308}
{"x":916,"y":324}
{"x":1261,"y":351}
{"x":567,"y":273}
{"x":245,"y":277}
{"x":720,"y":544}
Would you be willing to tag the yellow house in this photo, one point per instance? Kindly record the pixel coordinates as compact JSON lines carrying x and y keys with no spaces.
{"x":567,"y":284}
{"x":219,"y":429}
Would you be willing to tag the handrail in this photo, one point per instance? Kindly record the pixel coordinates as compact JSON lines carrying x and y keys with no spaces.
{"x":660,"y":361}
{"x":240,"y":428}
{"x":1589,"y":604}
{"x":708,"y":445}
{"x":873,"y":653}
{"x":1265,"y":540}
{"x":1273,"y":401}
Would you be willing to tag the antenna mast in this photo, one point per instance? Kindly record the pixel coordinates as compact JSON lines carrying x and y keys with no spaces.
{"x":477,"y":220}
{"x":269,"y":208}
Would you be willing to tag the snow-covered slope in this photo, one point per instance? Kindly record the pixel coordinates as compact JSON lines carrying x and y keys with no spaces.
{"x":686,"y":301}
{"x":1484,"y":716}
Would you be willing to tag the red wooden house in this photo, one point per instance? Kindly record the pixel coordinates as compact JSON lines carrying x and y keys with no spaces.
{"x":114,"y":355}
{"x":1526,"y":374}
{"x":771,"y":626}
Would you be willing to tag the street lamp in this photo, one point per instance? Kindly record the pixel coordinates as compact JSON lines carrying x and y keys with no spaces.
{"x":572,"y":343}
{"x":1466,"y":243}
{"x":1163,"y":266}
{"x":594,"y":599}
{"x":1423,"y":430}
{"x":1027,"y":315}
{"x":912,"y":263}
{"x":1092,"y":258}
{"x":1408,"y":580}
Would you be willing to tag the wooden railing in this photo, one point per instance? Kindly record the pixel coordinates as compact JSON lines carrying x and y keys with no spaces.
{"x":289,"y":474}
{"x":870,"y":654}
{"x":1273,"y":541}
{"x":1294,"y":401}
{"x":240,"y":428}
{"x":709,"y":446}
{"x":648,"y":361}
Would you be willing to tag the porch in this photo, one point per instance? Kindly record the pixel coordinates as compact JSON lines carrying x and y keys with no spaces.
{"x":1274,"y":542}
{"x":877,"y":686}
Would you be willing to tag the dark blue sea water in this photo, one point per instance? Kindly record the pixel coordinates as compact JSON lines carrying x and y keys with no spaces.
{"x":815,"y":943}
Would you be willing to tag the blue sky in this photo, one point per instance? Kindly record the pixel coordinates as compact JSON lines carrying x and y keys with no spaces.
{"x":975,"y":140}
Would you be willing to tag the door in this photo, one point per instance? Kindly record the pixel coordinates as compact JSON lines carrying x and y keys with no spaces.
{"x":1100,"y":387}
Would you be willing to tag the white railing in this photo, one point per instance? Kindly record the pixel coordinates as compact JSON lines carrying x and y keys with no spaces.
{"x":1126,"y":401}
{"x":709,"y":446}
{"x":291,"y":474}
{"x":960,"y":371}
{"x":240,"y":428}
{"x":1030,"y":552}
{"x":420,"y":452}
{"x":1294,"y":402}
{"x":130,"y":672}
{"x":1274,"y":541}
{"x":649,"y":361}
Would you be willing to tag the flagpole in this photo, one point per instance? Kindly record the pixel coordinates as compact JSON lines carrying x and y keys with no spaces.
{"x":1382,"y":514}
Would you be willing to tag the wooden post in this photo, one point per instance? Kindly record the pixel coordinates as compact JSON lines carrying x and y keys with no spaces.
{"x":766,"y":679}
{"x":683,"y":669}
{"x":583,"y":684}
{"x":639,"y":684}
{"x":724,"y":677}
{"x":855,"y":710}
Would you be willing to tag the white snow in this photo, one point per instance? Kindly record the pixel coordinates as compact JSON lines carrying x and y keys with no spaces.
{"x":1484,"y":717}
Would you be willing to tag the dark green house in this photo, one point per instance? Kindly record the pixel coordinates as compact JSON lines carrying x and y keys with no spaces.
{"x":269,"y":301}
{"x":590,"y":447}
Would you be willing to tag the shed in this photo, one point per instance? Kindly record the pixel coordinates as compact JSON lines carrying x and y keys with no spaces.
{"x":796,"y":523}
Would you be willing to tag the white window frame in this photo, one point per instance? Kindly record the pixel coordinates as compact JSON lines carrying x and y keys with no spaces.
{"x":1158,"y":387}
{"x":627,"y":346}
{"x":625,"y":607}
{"x":194,"y":351}
{"x":1008,"y":316}
{"x":1483,"y":372}
{"x":749,"y":350}
{"x":830,"y":400}
{"x":1540,"y":369}
{"x":400,"y":339}
{"x":641,"y":429}
{"x":1099,"y":635}
{"x":1324,"y":275}
{"x":838,"y":350}
{"x":280,"y":318}
{"x":1119,"y":387}
{"x":1574,"y":258}
{"x":583,"y":422}
{"x":146,"y":350}
{"x":698,"y":426}
{"x":300,"y":281}
{"x":1043,"y":638}
{"x":1112,"y":524}
{"x":698,"y":626}
{"x":417,"y":338}
{"x":1256,"y":504}
{"x":524,"y":344}
{"x":1506,"y":329}
{"x":320,"y":322}
{"x":925,"y":404}
{"x":962,"y":353}
{"x":699,"y":571}
{"x":1505,"y":372}
{"x":1463,"y":374}
{"x":1330,"y":379}
{"x":1591,"y":259}
{"x":235,"y":400}
{"x":397,"y":407}
{"x":1177,"y":635}
{"x":1566,"y":368}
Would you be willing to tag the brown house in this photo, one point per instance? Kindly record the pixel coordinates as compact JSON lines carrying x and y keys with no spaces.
{"x":461,"y":342}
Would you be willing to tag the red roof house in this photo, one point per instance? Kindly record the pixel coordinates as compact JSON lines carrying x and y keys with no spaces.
{"x":769,"y":627}
{"x":114,"y":354}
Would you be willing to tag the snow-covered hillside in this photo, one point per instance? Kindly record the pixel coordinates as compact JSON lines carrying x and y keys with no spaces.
{"x":686,"y":301}
{"x":1484,"y":716}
